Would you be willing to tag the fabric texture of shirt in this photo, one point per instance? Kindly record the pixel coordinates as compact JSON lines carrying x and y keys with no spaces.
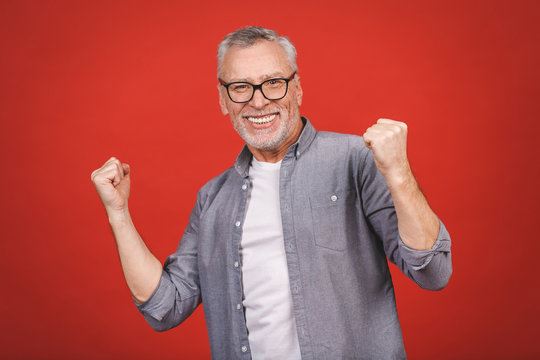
{"x":339,"y":226}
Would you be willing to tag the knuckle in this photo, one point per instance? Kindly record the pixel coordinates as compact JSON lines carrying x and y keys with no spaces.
{"x":95,"y":174}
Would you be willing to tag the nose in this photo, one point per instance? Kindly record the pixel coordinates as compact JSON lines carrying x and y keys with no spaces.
{"x":258,"y":100}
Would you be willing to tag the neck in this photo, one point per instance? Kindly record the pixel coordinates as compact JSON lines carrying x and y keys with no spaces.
{"x":275,"y":155}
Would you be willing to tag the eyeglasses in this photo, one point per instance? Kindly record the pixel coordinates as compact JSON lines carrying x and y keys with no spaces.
{"x":271,"y":89}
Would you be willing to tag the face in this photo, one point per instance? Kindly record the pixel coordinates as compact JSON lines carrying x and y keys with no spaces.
{"x":264,"y":124}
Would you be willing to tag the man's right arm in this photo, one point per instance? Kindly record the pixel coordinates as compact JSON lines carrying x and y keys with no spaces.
{"x":142,"y":270}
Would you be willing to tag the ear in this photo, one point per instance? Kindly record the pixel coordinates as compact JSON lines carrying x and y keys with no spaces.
{"x":299,"y":92}
{"x":222,"y":102}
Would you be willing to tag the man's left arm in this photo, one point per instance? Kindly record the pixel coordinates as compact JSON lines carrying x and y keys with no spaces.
{"x":417,"y":223}
{"x":418,"y":226}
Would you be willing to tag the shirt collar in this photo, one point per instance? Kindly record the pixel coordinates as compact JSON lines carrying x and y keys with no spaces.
{"x":299,"y":147}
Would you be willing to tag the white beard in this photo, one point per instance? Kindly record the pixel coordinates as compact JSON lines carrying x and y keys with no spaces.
{"x":261,"y":140}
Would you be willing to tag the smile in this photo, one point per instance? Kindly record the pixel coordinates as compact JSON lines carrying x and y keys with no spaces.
{"x":261,"y":119}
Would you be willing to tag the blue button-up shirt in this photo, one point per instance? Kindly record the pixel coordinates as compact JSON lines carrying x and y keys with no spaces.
{"x":339,"y":226}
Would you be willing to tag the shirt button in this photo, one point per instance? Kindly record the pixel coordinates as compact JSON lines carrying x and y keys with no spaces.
{"x":238,"y":306}
{"x":333,"y":198}
{"x":244,"y":348}
{"x":244,"y":187}
{"x":236,"y":264}
{"x":237,"y":224}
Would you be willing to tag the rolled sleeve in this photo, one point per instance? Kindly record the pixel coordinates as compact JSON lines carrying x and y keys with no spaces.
{"x":419,"y":259}
{"x":161,"y":300}
{"x":430,"y":269}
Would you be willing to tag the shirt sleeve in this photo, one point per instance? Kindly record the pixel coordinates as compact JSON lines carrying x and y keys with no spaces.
{"x":430,"y":269}
{"x":178,"y":292}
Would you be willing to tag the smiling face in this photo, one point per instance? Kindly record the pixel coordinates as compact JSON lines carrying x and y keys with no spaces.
{"x":268,"y":127}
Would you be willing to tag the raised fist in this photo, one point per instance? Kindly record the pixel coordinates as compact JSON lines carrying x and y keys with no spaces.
{"x":112,"y":183}
{"x":388,"y":141}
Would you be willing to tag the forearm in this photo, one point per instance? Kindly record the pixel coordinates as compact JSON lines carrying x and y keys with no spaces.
{"x":417,"y":224}
{"x":141,"y":268}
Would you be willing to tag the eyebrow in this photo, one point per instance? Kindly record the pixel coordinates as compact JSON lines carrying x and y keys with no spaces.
{"x":263,"y":77}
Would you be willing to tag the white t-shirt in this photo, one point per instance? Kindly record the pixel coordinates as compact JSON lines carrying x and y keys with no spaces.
{"x":265,"y":278}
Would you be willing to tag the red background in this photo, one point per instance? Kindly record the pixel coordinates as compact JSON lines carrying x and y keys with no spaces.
{"x":81,"y":81}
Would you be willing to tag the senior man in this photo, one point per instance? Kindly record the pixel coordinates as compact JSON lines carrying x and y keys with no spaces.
{"x":287,"y":248}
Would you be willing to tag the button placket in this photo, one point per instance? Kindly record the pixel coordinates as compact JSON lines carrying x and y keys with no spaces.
{"x":241,"y":190}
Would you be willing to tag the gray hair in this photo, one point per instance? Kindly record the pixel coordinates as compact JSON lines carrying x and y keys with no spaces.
{"x":248,"y":36}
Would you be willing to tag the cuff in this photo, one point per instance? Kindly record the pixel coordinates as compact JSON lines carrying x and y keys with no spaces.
{"x":157,"y":305}
{"x":419,"y":259}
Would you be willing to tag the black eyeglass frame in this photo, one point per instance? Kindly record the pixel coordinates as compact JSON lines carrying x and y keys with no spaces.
{"x":255,"y":87}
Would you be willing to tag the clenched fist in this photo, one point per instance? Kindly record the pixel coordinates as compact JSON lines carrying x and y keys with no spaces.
{"x":388,"y":141}
{"x":112,"y":183}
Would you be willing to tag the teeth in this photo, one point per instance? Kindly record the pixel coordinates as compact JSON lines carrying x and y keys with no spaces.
{"x":261,"y":120}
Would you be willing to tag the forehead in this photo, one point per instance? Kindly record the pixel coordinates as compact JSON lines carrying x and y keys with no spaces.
{"x":255,"y":63}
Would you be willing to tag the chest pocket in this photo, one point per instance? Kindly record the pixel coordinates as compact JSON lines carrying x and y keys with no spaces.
{"x":330,"y":213}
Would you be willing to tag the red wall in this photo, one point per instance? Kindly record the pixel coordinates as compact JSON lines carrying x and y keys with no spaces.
{"x":81,"y":81}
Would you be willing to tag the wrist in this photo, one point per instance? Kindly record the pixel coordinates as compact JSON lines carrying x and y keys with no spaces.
{"x":401,"y":177}
{"x":119,"y":217}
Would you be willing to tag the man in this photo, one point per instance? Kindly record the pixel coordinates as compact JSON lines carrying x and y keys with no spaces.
{"x":286,"y":250}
